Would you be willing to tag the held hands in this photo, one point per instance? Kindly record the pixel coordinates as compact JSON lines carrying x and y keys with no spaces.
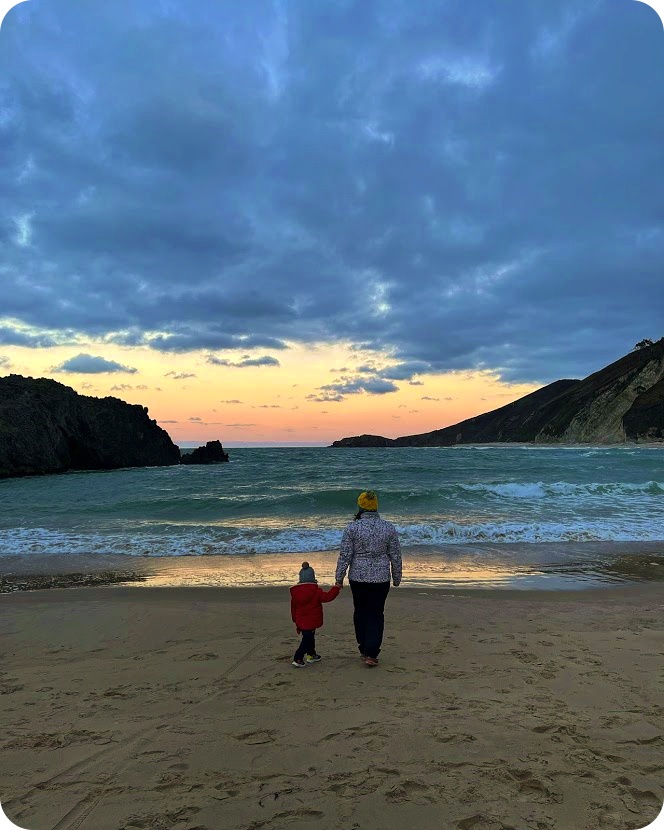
{"x":339,"y":585}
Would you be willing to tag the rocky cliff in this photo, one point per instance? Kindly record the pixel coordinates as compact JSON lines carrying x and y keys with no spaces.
{"x":623,"y":401}
{"x":46,"y":427}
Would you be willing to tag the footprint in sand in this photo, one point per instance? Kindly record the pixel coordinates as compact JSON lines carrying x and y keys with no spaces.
{"x":286,"y":817}
{"x":480,"y":822}
{"x":524,"y":656}
{"x":204,"y":656}
{"x":532,"y":789}
{"x":411,"y":791}
{"x":161,"y":821}
{"x":260,"y":736}
{"x":456,"y":738}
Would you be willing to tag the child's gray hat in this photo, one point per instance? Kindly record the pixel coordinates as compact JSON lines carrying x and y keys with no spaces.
{"x":307,"y":573}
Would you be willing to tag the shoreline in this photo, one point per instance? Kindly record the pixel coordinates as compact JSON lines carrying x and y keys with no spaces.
{"x":546,"y":566}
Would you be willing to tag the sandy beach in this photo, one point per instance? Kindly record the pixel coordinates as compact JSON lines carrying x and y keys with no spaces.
{"x":178,"y":709}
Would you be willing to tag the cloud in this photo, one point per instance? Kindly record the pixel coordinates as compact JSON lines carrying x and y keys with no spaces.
{"x":207,"y":338}
{"x":124,"y":387}
{"x":266,"y":360}
{"x":381,"y":186}
{"x":239,"y":425}
{"x":195,"y":418}
{"x":372,"y":386}
{"x":86,"y":364}
{"x":4,"y":363}
{"x":324,"y":397}
{"x":179,"y":375}
{"x":231,"y":401}
{"x":169,"y":422}
{"x":428,"y":398}
{"x":13,"y":336}
{"x":269,"y":406}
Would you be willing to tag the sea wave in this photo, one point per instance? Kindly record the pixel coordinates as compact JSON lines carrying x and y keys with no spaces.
{"x":202,"y":541}
{"x":290,"y":502}
{"x":541,"y":489}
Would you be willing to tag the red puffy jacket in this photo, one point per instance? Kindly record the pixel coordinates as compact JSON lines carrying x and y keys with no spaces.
{"x":306,"y":604}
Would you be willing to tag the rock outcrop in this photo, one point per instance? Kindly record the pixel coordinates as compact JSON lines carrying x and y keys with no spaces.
{"x":211,"y":453}
{"x":46,"y":427}
{"x":623,"y":401}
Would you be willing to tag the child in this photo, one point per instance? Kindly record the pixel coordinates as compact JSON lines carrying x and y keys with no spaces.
{"x":307,"y":613}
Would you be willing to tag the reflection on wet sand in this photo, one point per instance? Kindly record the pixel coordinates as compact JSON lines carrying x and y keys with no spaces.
{"x":545,"y":566}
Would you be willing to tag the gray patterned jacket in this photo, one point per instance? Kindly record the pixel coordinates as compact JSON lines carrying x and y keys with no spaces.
{"x":369,"y":546}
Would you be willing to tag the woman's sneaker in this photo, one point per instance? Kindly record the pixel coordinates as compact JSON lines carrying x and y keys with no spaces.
{"x":299,"y":664}
{"x":370,"y":662}
{"x":313,"y":658}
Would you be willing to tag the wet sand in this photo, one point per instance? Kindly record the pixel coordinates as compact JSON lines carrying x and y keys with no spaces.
{"x":178,"y":709}
{"x":543,"y":566}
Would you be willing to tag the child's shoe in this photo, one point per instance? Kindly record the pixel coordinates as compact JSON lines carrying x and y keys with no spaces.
{"x":313,"y":658}
{"x":299,"y":664}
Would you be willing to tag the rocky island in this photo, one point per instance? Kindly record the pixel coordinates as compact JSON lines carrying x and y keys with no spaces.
{"x":47,"y":427}
{"x":622,"y":402}
{"x":211,"y":453}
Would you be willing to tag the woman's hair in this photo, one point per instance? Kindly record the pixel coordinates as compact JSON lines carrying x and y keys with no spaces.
{"x":360,"y":512}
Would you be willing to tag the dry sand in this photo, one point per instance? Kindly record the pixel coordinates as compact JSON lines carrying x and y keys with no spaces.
{"x":178,"y":709}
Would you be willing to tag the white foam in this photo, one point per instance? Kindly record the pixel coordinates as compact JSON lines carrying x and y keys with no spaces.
{"x":201,"y":541}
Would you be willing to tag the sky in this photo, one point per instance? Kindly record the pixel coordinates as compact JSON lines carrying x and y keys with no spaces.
{"x":288,"y":221}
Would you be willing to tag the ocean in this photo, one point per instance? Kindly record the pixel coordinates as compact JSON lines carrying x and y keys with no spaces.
{"x":279,"y":500}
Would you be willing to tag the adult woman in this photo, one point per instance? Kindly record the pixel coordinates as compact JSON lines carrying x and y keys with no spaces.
{"x":370,"y":550}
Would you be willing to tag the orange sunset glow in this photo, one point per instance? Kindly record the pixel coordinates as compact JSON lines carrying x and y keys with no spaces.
{"x":196,"y":401}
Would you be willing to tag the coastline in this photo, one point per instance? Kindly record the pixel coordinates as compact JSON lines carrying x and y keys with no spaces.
{"x":179,"y":707}
{"x":543,"y":566}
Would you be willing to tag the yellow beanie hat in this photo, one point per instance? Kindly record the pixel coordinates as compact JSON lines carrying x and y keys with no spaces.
{"x":368,"y":500}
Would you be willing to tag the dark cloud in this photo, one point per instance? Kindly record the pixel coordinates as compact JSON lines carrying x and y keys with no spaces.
{"x":10,"y":336}
{"x":428,"y":398}
{"x":352,"y":386}
{"x":460,"y":185}
{"x":87,"y":364}
{"x":231,"y":401}
{"x":179,"y":375}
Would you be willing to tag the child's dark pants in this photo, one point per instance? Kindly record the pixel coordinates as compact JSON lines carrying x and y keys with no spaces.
{"x":307,"y":646}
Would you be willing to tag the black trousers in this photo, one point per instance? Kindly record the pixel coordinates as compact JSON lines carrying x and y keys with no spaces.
{"x":369,"y":601}
{"x":307,"y":646}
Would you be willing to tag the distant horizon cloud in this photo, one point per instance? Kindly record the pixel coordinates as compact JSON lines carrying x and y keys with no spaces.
{"x":179,"y":375}
{"x":86,"y":364}
{"x":265,"y":360}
